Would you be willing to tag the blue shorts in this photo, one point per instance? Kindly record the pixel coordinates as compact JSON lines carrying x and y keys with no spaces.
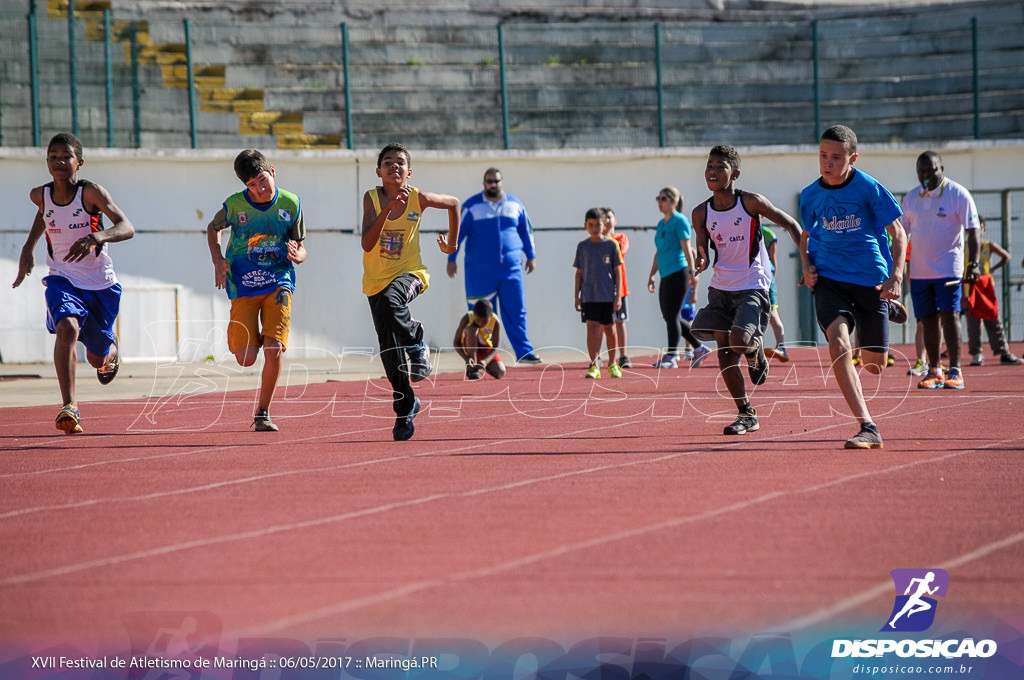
{"x":933,"y":295}
{"x":865,"y":309}
{"x":773,"y":293}
{"x":95,"y":310}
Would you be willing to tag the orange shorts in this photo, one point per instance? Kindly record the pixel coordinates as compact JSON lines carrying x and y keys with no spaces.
{"x":272,"y":312}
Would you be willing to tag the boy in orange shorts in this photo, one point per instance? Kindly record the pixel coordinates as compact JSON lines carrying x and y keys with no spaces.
{"x":476,"y":341}
{"x":258,"y":270}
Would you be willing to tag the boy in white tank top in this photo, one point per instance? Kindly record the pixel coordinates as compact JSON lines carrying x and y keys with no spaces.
{"x":82,"y":293}
{"x":738,"y":307}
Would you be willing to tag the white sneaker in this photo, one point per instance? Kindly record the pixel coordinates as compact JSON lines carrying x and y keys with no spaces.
{"x":699,"y":355}
{"x":667,"y":361}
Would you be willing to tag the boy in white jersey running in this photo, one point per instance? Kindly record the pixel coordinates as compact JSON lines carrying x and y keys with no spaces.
{"x":738,"y":307}
{"x":83,"y":295}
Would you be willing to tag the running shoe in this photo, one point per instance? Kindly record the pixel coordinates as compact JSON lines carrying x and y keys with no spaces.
{"x":687,"y":354}
{"x":530,"y":358}
{"x":594,"y":372}
{"x":106,"y":374}
{"x":978,"y":359}
{"x":699,"y":355}
{"x":933,"y":379}
{"x":890,"y":361}
{"x":667,"y":361}
{"x":757,"y":364}
{"x":867,"y":438}
{"x":954,"y":379}
{"x":419,"y":357}
{"x":69,"y":419}
{"x":262,"y":422}
{"x":1009,"y":359}
{"x":745,"y":422}
{"x":624,"y":362}
{"x":404,"y":429}
{"x":615,"y":371}
{"x":856,"y":358}
{"x":474,"y":373}
{"x":778,"y":352}
{"x":897,"y":312}
{"x":919,"y":368}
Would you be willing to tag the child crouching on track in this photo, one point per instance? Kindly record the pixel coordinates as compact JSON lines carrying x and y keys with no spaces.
{"x":476,"y":341}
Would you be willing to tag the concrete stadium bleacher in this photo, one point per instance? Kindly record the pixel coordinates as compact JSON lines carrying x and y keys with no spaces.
{"x":270,"y":74}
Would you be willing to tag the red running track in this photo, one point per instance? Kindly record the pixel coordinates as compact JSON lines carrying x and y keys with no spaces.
{"x":541,"y":505}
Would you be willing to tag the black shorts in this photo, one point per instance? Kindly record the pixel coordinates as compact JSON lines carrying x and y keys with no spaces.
{"x":620,"y":315}
{"x":861,"y":305}
{"x":746,"y":309}
{"x":601,"y":312}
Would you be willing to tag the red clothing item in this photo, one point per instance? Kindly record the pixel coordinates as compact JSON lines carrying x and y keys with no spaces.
{"x":623,"y":242}
{"x":982,"y":302}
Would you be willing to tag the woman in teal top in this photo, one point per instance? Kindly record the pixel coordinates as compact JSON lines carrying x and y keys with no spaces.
{"x":673,"y":262}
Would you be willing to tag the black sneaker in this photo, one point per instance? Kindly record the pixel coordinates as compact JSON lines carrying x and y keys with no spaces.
{"x":897,"y":312}
{"x":746,"y":422}
{"x":473,"y":373}
{"x":262,"y":422}
{"x":404,"y":428}
{"x":624,"y":362}
{"x":530,"y":358}
{"x":757,"y":364}
{"x":867,"y":438}
{"x":419,"y":357}
{"x":106,"y":374}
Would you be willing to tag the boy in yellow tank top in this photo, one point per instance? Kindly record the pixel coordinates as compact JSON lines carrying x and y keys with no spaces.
{"x":394,"y":274}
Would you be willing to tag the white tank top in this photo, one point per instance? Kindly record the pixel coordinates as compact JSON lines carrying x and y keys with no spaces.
{"x":741,"y":259}
{"x":65,"y":224}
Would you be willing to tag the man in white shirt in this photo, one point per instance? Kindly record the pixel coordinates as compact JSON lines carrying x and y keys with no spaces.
{"x":940,"y":217}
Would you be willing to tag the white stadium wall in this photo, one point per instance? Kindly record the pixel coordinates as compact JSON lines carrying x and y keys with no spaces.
{"x":171,"y":308}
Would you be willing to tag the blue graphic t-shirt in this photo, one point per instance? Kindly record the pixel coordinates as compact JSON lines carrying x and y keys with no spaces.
{"x":258,"y":246}
{"x":847,"y":240}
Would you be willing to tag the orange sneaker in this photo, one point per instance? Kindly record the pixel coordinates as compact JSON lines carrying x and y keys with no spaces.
{"x":934,"y":379}
{"x":954,"y":380}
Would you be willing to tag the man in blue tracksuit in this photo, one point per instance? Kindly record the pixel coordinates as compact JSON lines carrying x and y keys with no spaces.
{"x":498,"y":238}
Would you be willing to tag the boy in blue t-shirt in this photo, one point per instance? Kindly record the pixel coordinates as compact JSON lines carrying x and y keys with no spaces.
{"x":598,"y":291}
{"x":258,"y":270}
{"x":848,"y":265}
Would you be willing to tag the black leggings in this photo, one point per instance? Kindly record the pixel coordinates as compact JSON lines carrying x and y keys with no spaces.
{"x":671,"y":294}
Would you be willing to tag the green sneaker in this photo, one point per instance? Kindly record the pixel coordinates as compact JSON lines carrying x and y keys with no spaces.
{"x":615,"y":371}
{"x":594,"y":372}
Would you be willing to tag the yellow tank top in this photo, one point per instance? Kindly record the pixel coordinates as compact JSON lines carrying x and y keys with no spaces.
{"x":486,"y":334}
{"x":398,"y":250}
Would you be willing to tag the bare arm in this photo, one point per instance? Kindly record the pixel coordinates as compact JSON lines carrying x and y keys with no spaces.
{"x":1001,"y":253}
{"x":810,"y":271}
{"x":756,"y":204}
{"x":892,"y":287}
{"x":28,"y":259}
{"x":617,"y":302}
{"x":700,"y":237}
{"x":447,"y":243}
{"x":576,"y":294}
{"x":457,"y":341}
{"x":654,"y":271}
{"x":373,"y":223}
{"x":972,"y":272}
{"x":96,"y":199}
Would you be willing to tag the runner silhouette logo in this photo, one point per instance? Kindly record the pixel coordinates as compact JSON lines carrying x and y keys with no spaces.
{"x":916,"y":590}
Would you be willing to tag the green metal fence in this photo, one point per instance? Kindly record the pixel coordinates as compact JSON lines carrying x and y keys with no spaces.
{"x":518,"y":85}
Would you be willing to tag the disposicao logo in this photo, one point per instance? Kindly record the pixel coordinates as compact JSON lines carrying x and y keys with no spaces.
{"x":914,"y":609}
